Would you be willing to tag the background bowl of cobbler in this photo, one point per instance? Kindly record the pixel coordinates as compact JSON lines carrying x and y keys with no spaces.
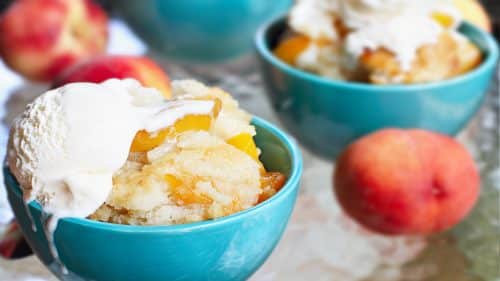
{"x":326,"y":115}
{"x":228,"y":248}
{"x":199,"y":30}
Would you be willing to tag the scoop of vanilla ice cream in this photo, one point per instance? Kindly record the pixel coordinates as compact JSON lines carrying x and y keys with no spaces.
{"x":36,"y":140}
{"x":314,"y":18}
{"x":402,"y":35}
{"x":360,"y":13}
{"x":67,"y":144}
{"x":400,"y":26}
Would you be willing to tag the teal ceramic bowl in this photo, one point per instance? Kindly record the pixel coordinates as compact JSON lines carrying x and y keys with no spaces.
{"x":228,"y":248}
{"x":326,"y":115}
{"x":201,"y":31}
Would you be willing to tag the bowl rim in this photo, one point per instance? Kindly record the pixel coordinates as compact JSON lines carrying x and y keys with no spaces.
{"x":292,"y":183}
{"x":491,"y":51}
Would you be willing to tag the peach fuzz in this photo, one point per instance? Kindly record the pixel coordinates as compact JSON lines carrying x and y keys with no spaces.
{"x":40,"y":38}
{"x":101,"y":68}
{"x":406,"y":181}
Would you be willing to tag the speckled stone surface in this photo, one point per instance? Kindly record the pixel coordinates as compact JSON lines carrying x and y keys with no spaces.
{"x":321,"y":243}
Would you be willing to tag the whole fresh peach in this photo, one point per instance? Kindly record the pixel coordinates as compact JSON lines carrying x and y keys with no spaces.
{"x":101,"y":68}
{"x":406,"y":181}
{"x":474,"y":12}
{"x":40,"y":38}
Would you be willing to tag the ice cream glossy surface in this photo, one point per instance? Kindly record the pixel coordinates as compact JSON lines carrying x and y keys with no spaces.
{"x":68,"y":143}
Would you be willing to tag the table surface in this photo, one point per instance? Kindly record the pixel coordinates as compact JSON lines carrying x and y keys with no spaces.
{"x":320,"y":243}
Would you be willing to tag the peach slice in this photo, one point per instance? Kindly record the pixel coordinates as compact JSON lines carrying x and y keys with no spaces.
{"x":183,"y":194}
{"x":443,"y":19}
{"x":144,"y":141}
{"x":271,"y":182}
{"x":245,"y":143}
{"x":193,"y":123}
{"x":289,"y":49}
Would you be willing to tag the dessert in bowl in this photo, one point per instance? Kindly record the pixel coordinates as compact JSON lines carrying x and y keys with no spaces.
{"x":406,"y":82}
{"x":382,"y":42}
{"x":152,"y":189}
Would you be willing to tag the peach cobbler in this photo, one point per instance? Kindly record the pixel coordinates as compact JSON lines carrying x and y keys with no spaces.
{"x":202,"y":167}
{"x":378,"y":41}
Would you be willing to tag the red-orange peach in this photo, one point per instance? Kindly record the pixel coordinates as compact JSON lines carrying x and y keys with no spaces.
{"x":406,"y":181}
{"x":474,"y":12}
{"x":40,"y":38}
{"x":101,"y":68}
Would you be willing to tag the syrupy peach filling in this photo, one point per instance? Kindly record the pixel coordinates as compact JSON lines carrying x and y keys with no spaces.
{"x":245,"y":143}
{"x":185,"y":193}
{"x":271,"y":183}
{"x":144,"y":141}
{"x":290,"y":48}
{"x":202,"y":164}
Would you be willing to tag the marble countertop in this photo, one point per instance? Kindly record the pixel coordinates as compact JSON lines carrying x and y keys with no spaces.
{"x":320,"y":243}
